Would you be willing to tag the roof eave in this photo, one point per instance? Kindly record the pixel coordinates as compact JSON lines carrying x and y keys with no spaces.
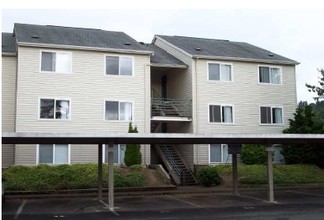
{"x":9,"y":54}
{"x":169,"y":65}
{"x":61,"y":46}
{"x":245,"y":59}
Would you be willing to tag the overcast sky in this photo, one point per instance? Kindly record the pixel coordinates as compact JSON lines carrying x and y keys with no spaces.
{"x":297,"y":34}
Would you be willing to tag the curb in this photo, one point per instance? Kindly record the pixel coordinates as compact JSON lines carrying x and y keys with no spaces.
{"x":143,"y":191}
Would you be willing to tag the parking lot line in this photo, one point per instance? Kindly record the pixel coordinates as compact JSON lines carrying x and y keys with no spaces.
{"x":20,"y":208}
{"x":255,"y":198}
{"x":190,"y":203}
{"x":106,"y":205}
{"x":304,"y":193}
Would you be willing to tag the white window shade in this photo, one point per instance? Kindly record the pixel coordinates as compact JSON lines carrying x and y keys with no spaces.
{"x":275,"y":75}
{"x":63,"y":63}
{"x":125,"y":111}
{"x":126,"y":66}
{"x":226,"y":73}
{"x":215,"y":153}
{"x":61,"y":154}
{"x":277,"y":115}
{"x":214,"y":71}
{"x":227,"y":114}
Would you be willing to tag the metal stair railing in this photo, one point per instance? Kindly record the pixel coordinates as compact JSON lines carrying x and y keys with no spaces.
{"x":170,"y":158}
{"x":169,"y":107}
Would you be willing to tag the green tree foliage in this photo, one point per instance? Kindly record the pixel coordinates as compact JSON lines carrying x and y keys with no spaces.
{"x":133,"y":154}
{"x":304,"y":122}
{"x":253,"y":154}
{"x":318,"y":89}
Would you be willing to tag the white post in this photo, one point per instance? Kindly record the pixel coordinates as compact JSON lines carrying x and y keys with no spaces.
{"x":269,"y":150}
{"x":111,"y":176}
{"x":234,"y":172}
{"x":99,"y":171}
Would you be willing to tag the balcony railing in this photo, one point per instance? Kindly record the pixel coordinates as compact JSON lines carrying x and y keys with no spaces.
{"x":171,"y":107}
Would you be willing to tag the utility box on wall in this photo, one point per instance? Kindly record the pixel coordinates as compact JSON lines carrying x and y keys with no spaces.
{"x":234,"y":148}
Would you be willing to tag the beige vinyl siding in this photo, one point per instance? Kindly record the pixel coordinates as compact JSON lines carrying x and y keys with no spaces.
{"x":246,"y":95}
{"x":184,"y":89}
{"x":87,"y":87}
{"x":9,"y":72}
{"x":25,"y":154}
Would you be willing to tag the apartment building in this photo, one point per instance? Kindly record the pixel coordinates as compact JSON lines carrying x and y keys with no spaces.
{"x":63,"y":79}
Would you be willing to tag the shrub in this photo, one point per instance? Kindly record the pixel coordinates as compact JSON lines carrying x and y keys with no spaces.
{"x":133,"y":154}
{"x":253,"y":154}
{"x":208,"y":176}
{"x":76,"y":176}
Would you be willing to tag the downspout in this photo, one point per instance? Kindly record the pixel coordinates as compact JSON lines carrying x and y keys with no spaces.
{"x":194,"y":104}
{"x":147,"y":86}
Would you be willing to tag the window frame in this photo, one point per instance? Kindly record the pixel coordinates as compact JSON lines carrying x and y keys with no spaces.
{"x":119,"y":56}
{"x":222,"y":154}
{"x":55,"y":164}
{"x":118,"y":152}
{"x":119,"y":101}
{"x":272,"y":107}
{"x":269,"y":66}
{"x":55,"y":98}
{"x":55,"y":51}
{"x":220,"y":63}
{"x":221,"y":110}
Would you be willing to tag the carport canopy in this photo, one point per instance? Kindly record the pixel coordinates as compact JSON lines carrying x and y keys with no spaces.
{"x":112,"y":138}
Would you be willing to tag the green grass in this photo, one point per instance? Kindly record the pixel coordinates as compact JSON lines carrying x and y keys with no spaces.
{"x":76,"y":176}
{"x":282,"y":174}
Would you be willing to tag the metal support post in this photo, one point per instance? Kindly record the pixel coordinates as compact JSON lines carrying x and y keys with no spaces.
{"x":111,"y":176}
{"x":99,"y":171}
{"x":235,"y":175}
{"x":269,"y":150}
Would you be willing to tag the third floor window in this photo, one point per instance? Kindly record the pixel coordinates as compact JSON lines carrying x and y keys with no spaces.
{"x":58,"y":62}
{"x":270,"y":75}
{"x":116,"y":65}
{"x":219,"y":72}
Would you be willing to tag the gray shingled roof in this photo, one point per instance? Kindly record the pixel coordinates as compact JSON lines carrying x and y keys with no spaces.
{"x":96,"y":38}
{"x":8,"y":43}
{"x":224,"y":48}
{"x":161,"y":57}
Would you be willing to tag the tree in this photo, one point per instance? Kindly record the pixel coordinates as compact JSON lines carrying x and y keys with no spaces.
{"x":133,"y":154}
{"x":318,"y":89}
{"x":304,"y":122}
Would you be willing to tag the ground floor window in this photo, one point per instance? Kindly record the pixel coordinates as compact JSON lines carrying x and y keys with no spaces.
{"x":53,"y":153}
{"x":119,"y":153}
{"x":218,"y":153}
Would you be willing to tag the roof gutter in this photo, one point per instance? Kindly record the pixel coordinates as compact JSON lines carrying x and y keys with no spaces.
{"x":9,"y":54}
{"x":73,"y":47}
{"x":245,"y":59}
{"x":169,"y":65}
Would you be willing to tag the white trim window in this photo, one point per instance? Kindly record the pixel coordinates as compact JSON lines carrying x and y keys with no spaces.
{"x":119,"y":65}
{"x":220,"y":72}
{"x":118,"y":111}
{"x":221,"y":114}
{"x":119,"y":153}
{"x":51,"y":108}
{"x":53,"y":153}
{"x":57,"y":62}
{"x":271,"y":115}
{"x":269,"y":75}
{"x":218,"y":153}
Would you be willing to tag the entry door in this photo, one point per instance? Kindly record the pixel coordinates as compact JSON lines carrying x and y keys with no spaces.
{"x":164,"y":90}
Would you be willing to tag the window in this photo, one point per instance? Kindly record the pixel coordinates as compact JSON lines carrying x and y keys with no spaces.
{"x":119,"y":153}
{"x":218,"y":153}
{"x":119,"y":65}
{"x":219,"y":72}
{"x":121,"y":111}
{"x":271,"y":115}
{"x":271,"y":75}
{"x":53,"y":153}
{"x":54,"y":109}
{"x":58,"y":62}
{"x":220,"y":114}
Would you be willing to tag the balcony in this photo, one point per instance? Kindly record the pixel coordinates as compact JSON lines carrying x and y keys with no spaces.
{"x":166,"y":109}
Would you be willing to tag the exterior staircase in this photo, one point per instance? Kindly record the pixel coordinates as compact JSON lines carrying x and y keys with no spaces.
{"x":175,"y":164}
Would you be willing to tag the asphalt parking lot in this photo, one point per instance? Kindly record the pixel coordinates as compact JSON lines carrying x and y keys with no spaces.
{"x":304,"y":203}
